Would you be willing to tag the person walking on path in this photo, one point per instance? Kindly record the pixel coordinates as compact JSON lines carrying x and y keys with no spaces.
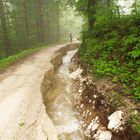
{"x":71,"y":37}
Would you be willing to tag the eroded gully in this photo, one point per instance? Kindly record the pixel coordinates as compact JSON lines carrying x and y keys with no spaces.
{"x":60,"y":103}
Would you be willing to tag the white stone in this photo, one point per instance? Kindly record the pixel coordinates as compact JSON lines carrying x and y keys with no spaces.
{"x":80,"y":91}
{"x":116,"y":120}
{"x":90,"y":114}
{"x":103,"y":135}
{"x":77,"y":106}
{"x":93,"y":107}
{"x":92,"y":126}
{"x":95,"y":96}
{"x":76,"y":73}
{"x":81,"y":105}
{"x":90,"y":101}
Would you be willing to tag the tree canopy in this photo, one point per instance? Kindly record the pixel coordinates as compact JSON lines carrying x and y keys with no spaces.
{"x":24,"y":24}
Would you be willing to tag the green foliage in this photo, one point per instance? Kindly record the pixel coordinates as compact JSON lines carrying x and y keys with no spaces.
{"x":25,"y":23}
{"x":21,"y":124}
{"x":134,"y":121}
{"x":135,"y":53}
{"x":103,"y":67}
{"x":4,"y":63}
{"x":112,"y":50}
{"x":130,"y":40}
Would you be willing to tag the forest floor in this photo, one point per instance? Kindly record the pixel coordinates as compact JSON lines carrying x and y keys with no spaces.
{"x":22,"y":112}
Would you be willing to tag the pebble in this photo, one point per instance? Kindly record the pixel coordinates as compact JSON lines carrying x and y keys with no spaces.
{"x":103,"y":135}
{"x":80,"y":91}
{"x":92,"y":126}
{"x":81,"y":105}
{"x":90,"y":114}
{"x":95,"y":96}
{"x":90,"y":101}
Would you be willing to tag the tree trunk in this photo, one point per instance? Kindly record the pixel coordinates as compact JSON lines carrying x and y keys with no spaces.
{"x":6,"y":40}
{"x":40,"y":21}
{"x":58,"y":24}
{"x":118,"y":11}
{"x":15,"y":21}
{"x":109,"y":10}
{"x":136,"y":9}
{"x":91,"y":13}
{"x":26,"y":22}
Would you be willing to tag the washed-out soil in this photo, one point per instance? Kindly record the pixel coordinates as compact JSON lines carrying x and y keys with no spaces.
{"x":101,"y":97}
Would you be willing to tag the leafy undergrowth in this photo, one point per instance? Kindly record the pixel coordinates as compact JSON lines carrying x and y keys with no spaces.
{"x":5,"y":62}
{"x":112,"y":50}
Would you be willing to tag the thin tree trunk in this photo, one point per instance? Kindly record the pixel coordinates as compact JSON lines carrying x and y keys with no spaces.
{"x":58,"y":23}
{"x":6,"y":40}
{"x":26,"y":22}
{"x":136,"y":9}
{"x":109,"y":9}
{"x":40,"y":21}
{"x":15,"y":21}
{"x":91,"y":13}
{"x":7,"y":19}
{"x":48,"y":38}
{"x":109,"y":12}
{"x":37,"y":26}
{"x":118,"y":11}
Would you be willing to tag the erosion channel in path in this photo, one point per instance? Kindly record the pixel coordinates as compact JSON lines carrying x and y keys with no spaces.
{"x":59,"y":103}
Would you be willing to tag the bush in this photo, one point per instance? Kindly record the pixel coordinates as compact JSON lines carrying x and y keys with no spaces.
{"x":114,"y":50}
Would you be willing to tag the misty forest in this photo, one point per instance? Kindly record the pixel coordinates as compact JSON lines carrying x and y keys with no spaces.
{"x":76,"y":60}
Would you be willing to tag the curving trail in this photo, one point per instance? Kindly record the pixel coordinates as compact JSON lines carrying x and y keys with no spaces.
{"x":22,"y":112}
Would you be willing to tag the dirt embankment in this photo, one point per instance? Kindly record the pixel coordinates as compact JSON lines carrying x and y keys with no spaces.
{"x":56,"y":61}
{"x":99,"y":104}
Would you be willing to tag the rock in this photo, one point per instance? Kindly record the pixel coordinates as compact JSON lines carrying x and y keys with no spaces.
{"x":81,"y":105}
{"x":92,"y":126}
{"x":95,"y":96}
{"x":80,"y":91}
{"x":116,"y":120}
{"x":90,"y":113}
{"x":76,"y":73}
{"x":90,"y":101}
{"x":103,"y":135}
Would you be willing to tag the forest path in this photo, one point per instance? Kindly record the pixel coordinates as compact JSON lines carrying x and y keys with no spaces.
{"x":22,"y":112}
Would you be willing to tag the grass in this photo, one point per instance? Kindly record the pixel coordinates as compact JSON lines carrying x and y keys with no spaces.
{"x":6,"y":62}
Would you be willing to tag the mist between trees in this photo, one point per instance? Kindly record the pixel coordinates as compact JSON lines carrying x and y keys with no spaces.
{"x":27,"y":23}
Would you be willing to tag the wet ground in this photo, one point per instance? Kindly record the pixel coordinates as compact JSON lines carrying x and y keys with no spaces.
{"x":60,"y":104}
{"x":22,"y":112}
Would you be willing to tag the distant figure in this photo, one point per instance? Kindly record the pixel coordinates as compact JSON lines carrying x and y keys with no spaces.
{"x":71,"y":37}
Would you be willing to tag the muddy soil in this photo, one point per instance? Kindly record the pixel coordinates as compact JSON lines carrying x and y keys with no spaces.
{"x":59,"y":103}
